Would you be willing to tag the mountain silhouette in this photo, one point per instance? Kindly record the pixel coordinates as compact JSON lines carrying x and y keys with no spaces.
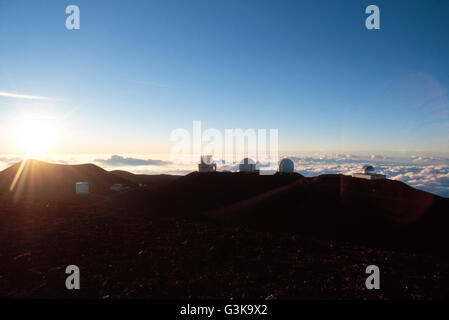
{"x":41,"y":180}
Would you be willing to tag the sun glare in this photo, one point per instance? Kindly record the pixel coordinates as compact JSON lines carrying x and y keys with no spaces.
{"x":35,"y":135}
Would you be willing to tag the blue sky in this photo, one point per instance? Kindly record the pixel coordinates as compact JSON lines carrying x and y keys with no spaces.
{"x":136,"y":70}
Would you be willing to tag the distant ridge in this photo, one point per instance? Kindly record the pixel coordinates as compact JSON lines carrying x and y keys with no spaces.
{"x":387,"y":200}
{"x":42,"y":180}
{"x":382,"y":212}
{"x":148,"y":180}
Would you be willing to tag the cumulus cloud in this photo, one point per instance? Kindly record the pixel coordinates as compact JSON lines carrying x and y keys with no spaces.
{"x":378,"y":157}
{"x":119,"y":161}
{"x":431,"y":178}
{"x":6,"y":162}
{"x":430,"y":174}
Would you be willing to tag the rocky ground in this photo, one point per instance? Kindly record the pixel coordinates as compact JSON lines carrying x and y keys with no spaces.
{"x":141,"y":254}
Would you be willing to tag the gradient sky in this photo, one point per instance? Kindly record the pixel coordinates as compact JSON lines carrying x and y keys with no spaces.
{"x":136,"y":70}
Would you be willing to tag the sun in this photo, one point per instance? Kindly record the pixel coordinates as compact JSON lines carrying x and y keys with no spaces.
{"x":35,"y":135}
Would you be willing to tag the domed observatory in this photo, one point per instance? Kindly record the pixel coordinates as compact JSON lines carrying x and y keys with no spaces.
{"x":368,"y":169}
{"x":369,"y":173}
{"x":286,"y":166}
{"x":247,"y":165}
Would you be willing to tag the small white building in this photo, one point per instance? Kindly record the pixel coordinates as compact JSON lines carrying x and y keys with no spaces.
{"x":82,"y":187}
{"x":117,"y":187}
{"x":369,"y":173}
{"x":206,"y":165}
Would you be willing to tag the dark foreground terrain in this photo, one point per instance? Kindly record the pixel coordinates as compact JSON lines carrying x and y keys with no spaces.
{"x":220,"y":236}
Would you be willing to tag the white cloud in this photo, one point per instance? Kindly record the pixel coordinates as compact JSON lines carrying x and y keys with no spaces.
{"x":22,"y":96}
{"x":431,"y":175}
{"x":119,"y":161}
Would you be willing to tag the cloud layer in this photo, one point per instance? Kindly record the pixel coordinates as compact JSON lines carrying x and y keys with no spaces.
{"x":427,"y":173}
{"x":119,"y":161}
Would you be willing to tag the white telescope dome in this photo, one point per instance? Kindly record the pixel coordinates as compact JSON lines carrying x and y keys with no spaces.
{"x":286,"y":166}
{"x":368,"y":169}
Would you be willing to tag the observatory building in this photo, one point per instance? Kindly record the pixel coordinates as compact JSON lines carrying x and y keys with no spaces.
{"x":82,"y":187}
{"x":206,"y":165}
{"x":116,"y":187}
{"x":286,"y":166}
{"x":247,"y":165}
{"x":369,"y":173}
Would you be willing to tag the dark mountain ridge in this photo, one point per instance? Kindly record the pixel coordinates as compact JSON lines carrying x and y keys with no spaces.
{"x":46,"y":181}
{"x":335,"y":205}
